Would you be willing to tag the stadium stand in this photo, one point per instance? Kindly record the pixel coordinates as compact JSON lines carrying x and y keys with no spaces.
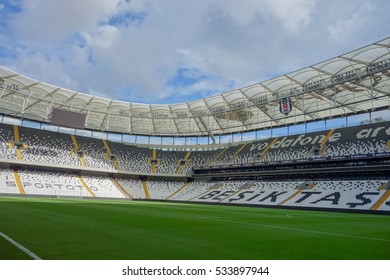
{"x":340,"y":194}
{"x":326,"y":167}
{"x":7,"y":182}
{"x":191,"y":191}
{"x":62,"y":149}
{"x":330,"y":194}
{"x":131,"y":158}
{"x":168,"y":161}
{"x":366,"y":140}
{"x":344,"y":193}
{"x":94,"y":153}
{"x":103,"y":187}
{"x":50,"y":147}
{"x":160,"y":190}
{"x":133,"y":187}
{"x":47,"y":147}
{"x":7,"y":150}
{"x":198,"y":159}
{"x":57,"y":184}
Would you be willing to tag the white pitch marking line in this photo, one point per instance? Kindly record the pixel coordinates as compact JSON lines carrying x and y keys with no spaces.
{"x":302,"y":230}
{"x":21,"y":247}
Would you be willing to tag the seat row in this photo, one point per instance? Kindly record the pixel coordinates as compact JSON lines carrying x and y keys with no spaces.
{"x":58,"y":148}
{"x":344,"y":193}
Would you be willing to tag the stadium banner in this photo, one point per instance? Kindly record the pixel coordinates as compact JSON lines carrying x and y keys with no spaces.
{"x":194,"y":269}
{"x":285,"y":105}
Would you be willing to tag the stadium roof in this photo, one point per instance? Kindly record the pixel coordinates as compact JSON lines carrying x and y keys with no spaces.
{"x":356,"y":82}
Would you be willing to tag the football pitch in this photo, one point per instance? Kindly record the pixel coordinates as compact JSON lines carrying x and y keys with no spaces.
{"x":65,"y":229}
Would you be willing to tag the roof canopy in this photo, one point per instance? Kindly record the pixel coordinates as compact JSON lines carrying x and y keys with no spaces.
{"x":351,"y":83}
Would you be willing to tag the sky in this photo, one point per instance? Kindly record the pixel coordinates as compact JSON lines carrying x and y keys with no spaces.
{"x":173,"y":51}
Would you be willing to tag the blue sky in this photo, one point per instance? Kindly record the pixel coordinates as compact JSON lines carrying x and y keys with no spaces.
{"x":174,"y":51}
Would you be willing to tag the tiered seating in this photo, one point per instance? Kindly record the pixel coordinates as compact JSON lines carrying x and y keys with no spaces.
{"x":359,"y":194}
{"x":199,"y":158}
{"x":95,"y":153}
{"x":47,"y":147}
{"x":332,"y":194}
{"x":192,"y":191}
{"x":361,"y":140}
{"x":340,"y":195}
{"x":7,"y":182}
{"x":51,"y":184}
{"x":346,"y":185}
{"x":102,"y":187}
{"x":161,"y":190}
{"x":56,"y":148}
{"x":57,"y":184}
{"x":50,"y":147}
{"x":169,"y":161}
{"x":133,"y":187}
{"x":131,"y":158}
{"x":276,"y":185}
{"x":274,"y":150}
{"x":225,"y":157}
{"x":359,"y":148}
{"x":6,"y":136}
{"x":264,"y":192}
{"x":386,"y":205}
{"x":286,"y":155}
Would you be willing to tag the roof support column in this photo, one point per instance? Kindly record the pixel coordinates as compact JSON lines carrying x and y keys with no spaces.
{"x":207,"y":129}
{"x":2,"y":93}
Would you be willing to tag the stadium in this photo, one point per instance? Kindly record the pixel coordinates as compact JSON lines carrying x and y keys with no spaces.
{"x":295,"y":167}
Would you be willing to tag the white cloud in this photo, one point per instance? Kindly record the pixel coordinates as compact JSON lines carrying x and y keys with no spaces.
{"x":351,"y":25}
{"x":55,"y":20}
{"x":50,"y":68}
{"x":294,"y":16}
{"x":132,"y":50}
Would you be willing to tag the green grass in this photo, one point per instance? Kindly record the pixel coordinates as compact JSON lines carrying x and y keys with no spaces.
{"x":97,"y":229}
